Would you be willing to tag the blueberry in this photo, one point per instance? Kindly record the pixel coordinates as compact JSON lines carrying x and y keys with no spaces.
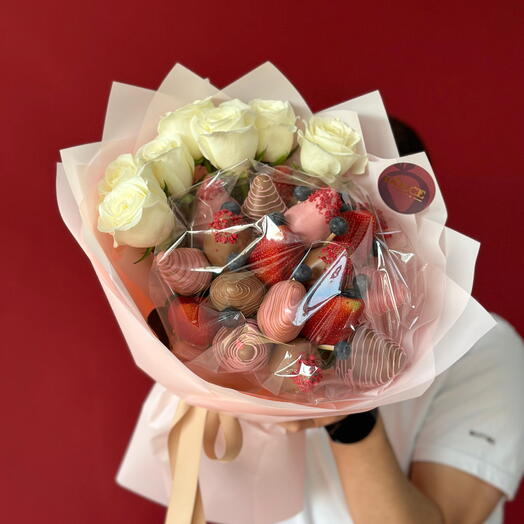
{"x":338,"y":225}
{"x":230,"y":317}
{"x":231,"y":206}
{"x":351,"y":293}
{"x":277,"y":218}
{"x":342,"y":350}
{"x":302,"y":193}
{"x":360,"y":282}
{"x":302,"y":273}
{"x":236,"y":261}
{"x":346,"y":206}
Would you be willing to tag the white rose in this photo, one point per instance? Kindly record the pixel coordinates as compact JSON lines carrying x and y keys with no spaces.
{"x":227,"y":134}
{"x":328,"y":149}
{"x":235,"y":102}
{"x":178,"y":123}
{"x":170,"y":161}
{"x":122,"y":168}
{"x":275,"y":121}
{"x":136,"y":213}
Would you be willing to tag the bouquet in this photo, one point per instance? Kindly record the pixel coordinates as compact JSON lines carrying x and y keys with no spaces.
{"x":290,"y":266}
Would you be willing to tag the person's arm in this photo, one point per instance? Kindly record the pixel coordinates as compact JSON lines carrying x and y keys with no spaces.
{"x":377,"y":491}
{"x":375,"y":488}
{"x":461,"y":497}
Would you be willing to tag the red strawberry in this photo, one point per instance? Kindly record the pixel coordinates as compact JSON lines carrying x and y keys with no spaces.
{"x":193,"y":321}
{"x":284,"y":169}
{"x":331,"y":252}
{"x":210,"y":196}
{"x":199,"y":173}
{"x":380,"y":224}
{"x":335,"y":320}
{"x":277,"y":253}
{"x":211,"y":188}
{"x":358,"y":225}
{"x":284,"y":189}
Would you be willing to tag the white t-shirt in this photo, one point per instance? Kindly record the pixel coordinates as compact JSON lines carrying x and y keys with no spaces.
{"x":471,"y":418}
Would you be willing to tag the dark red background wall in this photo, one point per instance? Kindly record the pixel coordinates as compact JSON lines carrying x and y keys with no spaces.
{"x":69,"y":390}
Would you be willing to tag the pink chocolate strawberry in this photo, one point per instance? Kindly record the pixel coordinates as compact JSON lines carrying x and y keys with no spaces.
{"x":310,"y":218}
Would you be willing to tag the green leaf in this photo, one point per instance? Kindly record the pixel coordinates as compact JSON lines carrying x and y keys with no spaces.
{"x":166,"y":190}
{"x":283,"y":158}
{"x":208,"y":165}
{"x":279,"y":161}
{"x":147,"y":252}
{"x":292,"y":152}
{"x":241,"y":189}
{"x":260,"y":156}
{"x":186,"y":199}
{"x":184,"y":204}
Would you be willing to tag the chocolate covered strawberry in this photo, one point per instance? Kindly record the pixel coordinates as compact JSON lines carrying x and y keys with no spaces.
{"x":226,"y":236}
{"x":278,"y":251}
{"x":321,"y":258}
{"x":310,"y":218}
{"x":335,"y":320}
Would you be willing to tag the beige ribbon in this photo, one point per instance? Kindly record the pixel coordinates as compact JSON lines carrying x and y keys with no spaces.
{"x":194,"y":428}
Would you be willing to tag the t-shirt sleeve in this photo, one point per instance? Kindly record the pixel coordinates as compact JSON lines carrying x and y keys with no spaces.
{"x":476,"y":420}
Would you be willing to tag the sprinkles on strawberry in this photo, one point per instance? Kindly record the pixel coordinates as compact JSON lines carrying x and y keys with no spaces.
{"x":225,"y":219}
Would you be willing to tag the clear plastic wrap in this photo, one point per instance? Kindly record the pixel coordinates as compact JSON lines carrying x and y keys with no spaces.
{"x":287,"y":289}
